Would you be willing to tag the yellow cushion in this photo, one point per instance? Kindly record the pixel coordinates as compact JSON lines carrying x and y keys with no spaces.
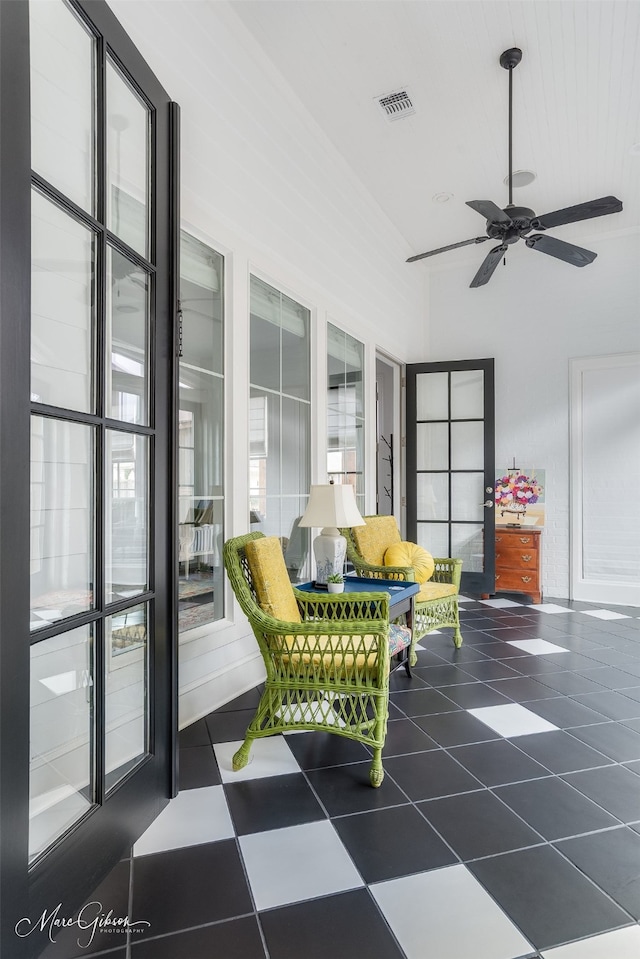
{"x":271,"y":580}
{"x":373,"y":539}
{"x":435,"y":591}
{"x":410,"y":554}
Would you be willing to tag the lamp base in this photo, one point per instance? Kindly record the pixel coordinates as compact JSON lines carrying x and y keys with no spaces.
{"x":329,"y":549}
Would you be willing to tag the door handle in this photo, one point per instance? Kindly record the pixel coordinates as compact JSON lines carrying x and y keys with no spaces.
{"x":488,"y":504}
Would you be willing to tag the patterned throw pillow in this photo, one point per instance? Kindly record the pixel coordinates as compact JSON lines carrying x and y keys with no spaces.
{"x":410,"y":554}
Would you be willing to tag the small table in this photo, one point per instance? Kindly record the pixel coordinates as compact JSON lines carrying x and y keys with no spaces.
{"x":401,"y":601}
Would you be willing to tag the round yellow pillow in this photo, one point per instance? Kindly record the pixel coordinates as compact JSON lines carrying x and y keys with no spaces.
{"x":410,"y":554}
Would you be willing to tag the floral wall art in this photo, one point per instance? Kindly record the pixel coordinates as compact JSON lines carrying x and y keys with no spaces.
{"x":520,"y":497}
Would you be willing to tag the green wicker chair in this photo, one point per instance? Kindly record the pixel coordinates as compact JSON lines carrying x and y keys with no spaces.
{"x":435,"y":607}
{"x":327,"y":663}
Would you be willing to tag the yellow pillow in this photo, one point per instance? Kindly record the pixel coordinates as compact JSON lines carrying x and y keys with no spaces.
{"x":374,"y":537}
{"x":271,"y":579}
{"x":410,"y":554}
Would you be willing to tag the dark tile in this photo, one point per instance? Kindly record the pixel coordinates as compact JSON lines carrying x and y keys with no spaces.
{"x":430,"y":775}
{"x":474,"y":695}
{"x":422,"y":702}
{"x":445,"y":675}
{"x":392,"y":842}
{"x":403,"y":736}
{"x":497,"y":763}
{"x":547,"y":897}
{"x":197,"y":767}
{"x":615,"y":788}
{"x":317,"y":750}
{"x":564,"y":712}
{"x":534,"y":665}
{"x":502,"y":650}
{"x":229,"y":726}
{"x":553,"y":808}
{"x":633,"y":693}
{"x":248,"y":700}
{"x":274,"y":802}
{"x":560,"y":752}
{"x":111,"y":894}
{"x":612,"y":705}
{"x":234,"y":939}
{"x":574,"y":661}
{"x":634,"y":766}
{"x":400,"y":682}
{"x":458,"y":657}
{"x":632,"y":724}
{"x":477,"y":824}
{"x":612,"y":860}
{"x":570,"y":684}
{"x":348,"y":926}
{"x":523,"y":689}
{"x":196,"y":734}
{"x":173,"y":890}
{"x":489,"y":670}
{"x":454,"y":729}
{"x":346,"y":789}
{"x":612,"y":739}
{"x":610,"y":677}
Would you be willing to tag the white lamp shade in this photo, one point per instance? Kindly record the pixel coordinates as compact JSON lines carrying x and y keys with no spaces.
{"x":332,"y":505}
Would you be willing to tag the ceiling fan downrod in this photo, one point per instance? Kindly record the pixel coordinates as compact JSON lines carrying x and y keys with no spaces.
{"x":510,"y":59}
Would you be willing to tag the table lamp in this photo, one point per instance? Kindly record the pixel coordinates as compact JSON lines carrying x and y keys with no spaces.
{"x":330,"y":507}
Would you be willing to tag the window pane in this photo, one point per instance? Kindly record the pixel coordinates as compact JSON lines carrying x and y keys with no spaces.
{"x":61,"y":711}
{"x":127,"y":339}
{"x":62,"y":98}
{"x":467,"y":394}
{"x":265,"y":335}
{"x":126,"y":681}
{"x":295,"y":541}
{"x":201,"y":297}
{"x":62,"y":307}
{"x":295,"y":348}
{"x":432,"y":399}
{"x":295,"y":446}
{"x":432,"y":446}
{"x":467,"y":446}
{"x":127,"y":163}
{"x":62,"y":520}
{"x":126,"y":570}
{"x":432,"y":496}
{"x":467,"y":544}
{"x":434,"y":537}
{"x":345,"y":409}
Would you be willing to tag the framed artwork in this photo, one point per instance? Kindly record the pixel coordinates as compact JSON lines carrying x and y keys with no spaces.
{"x":519,"y":496}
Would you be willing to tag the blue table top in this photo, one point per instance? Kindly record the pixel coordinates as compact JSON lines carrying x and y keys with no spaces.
{"x":355,"y":584}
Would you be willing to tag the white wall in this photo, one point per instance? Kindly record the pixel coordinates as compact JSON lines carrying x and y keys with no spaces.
{"x":534,"y":315}
{"x":261,"y":184}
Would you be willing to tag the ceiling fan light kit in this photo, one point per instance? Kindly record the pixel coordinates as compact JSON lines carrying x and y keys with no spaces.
{"x":516,"y":222}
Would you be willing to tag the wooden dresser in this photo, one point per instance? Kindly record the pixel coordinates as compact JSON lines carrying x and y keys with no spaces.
{"x":518,"y":561}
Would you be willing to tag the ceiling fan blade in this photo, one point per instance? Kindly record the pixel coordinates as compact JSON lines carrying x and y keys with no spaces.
{"x":443,"y":249}
{"x":582,"y":211}
{"x":489,"y":210}
{"x":489,"y":264}
{"x":568,"y":252}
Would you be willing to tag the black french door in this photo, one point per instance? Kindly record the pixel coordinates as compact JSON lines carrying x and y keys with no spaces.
{"x":451,"y":465}
{"x":88,"y":267}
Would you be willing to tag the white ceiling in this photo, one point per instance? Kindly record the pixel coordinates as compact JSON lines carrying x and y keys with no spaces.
{"x":576,"y":103}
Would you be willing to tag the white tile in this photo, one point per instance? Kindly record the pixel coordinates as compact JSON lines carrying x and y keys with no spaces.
{"x":604,"y":614}
{"x":619,"y":944}
{"x":300,"y":862}
{"x":466,"y":599}
{"x":536,"y":647}
{"x":550,"y":608}
{"x":499,"y":603}
{"x":511,"y":720}
{"x":455,"y":917}
{"x":193,"y":817}
{"x":269,"y":757}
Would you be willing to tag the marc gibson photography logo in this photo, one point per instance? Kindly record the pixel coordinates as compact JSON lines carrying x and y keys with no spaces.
{"x":90,"y":921}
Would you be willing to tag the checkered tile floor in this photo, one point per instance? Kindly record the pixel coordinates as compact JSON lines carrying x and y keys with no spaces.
{"x":507,"y":825}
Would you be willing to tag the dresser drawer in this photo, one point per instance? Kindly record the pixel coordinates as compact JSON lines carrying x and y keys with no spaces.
{"x":508,"y":557}
{"x":514,"y":538}
{"x":523,"y":582}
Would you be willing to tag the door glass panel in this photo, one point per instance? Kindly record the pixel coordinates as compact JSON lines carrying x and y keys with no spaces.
{"x":61,"y":777}
{"x":467,"y":394}
{"x":126,"y":509}
{"x":434,"y":537}
{"x":467,"y":446}
{"x":467,"y":544}
{"x":432,"y":496}
{"x":62,"y":99}
{"x":432,"y":452}
{"x":62,"y":307}
{"x":467,"y":496}
{"x":127,"y":163}
{"x":126,"y":665}
{"x":62,"y":520}
{"x":432,"y":396}
{"x":127,"y":339}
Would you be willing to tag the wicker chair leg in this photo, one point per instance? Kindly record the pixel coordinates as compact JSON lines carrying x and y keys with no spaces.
{"x":241,"y":758}
{"x":376,"y":773}
{"x":457,"y":638}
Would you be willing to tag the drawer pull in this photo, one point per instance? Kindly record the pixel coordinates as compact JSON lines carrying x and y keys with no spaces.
{"x":498,"y":539}
{"x":527,"y":557}
{"x":497,"y":575}
{"x":525,"y":539}
{"x":525,"y":579}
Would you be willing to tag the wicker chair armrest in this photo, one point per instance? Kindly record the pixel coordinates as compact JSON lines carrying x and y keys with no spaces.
{"x":370,"y":571}
{"x":343,"y":607}
{"x":447,"y":570}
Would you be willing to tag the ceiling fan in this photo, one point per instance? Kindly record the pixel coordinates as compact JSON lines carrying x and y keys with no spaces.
{"x":516,"y":222}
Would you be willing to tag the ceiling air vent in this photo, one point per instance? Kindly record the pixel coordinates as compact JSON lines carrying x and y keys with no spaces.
{"x":396,"y":105}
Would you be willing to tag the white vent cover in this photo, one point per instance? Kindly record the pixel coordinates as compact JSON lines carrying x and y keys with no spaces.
{"x":396,"y":105}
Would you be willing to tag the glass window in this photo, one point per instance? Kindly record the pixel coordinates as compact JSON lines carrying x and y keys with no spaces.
{"x":279,"y":429}
{"x":127,"y":339}
{"x":126,"y":701}
{"x":345,"y":406}
{"x":201,"y":436}
{"x":126,"y":519}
